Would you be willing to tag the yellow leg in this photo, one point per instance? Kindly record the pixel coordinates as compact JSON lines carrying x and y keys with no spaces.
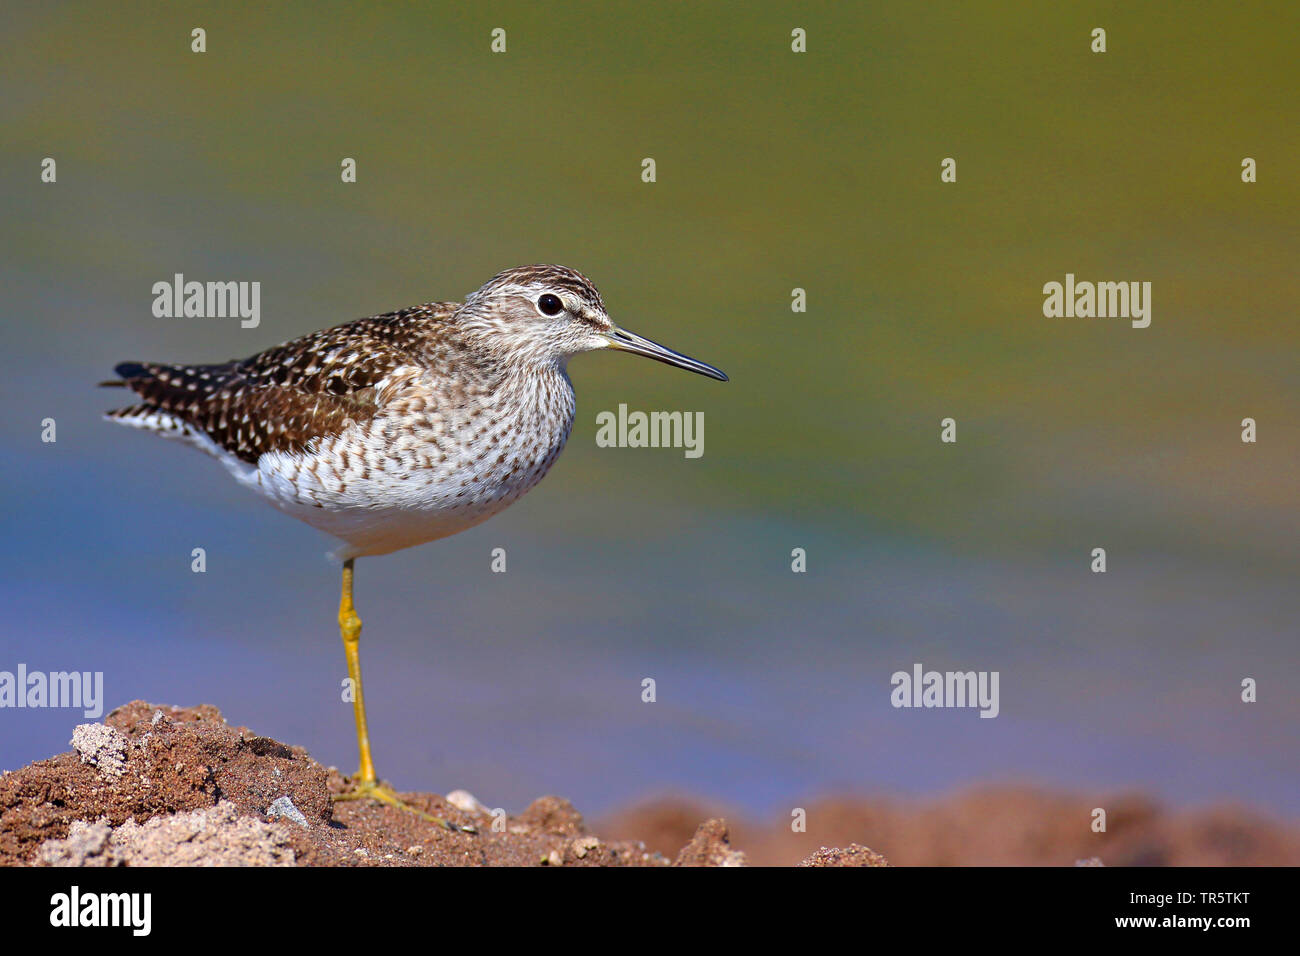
{"x":350,"y":628}
{"x":366,"y":785}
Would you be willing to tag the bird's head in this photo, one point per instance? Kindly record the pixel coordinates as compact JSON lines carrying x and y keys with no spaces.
{"x":547,"y":314}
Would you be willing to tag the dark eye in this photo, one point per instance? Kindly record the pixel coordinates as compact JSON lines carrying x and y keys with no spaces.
{"x":550,"y":304}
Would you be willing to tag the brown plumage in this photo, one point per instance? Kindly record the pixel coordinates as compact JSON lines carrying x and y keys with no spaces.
{"x":283,"y":398}
{"x":404,"y":427}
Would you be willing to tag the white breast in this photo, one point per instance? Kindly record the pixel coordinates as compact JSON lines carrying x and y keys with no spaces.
{"x":426,"y":467}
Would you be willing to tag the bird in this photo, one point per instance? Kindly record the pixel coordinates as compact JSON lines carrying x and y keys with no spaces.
{"x":398,"y":429}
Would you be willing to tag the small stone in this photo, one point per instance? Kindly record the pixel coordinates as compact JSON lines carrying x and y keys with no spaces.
{"x":101,"y":746}
{"x":465,"y":801}
{"x":283,"y":807}
{"x":584,"y":845}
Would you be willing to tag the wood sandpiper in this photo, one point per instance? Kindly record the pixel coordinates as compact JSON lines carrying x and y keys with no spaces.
{"x":397,"y":429}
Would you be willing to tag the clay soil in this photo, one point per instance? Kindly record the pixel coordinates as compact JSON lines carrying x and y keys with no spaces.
{"x":159,"y":785}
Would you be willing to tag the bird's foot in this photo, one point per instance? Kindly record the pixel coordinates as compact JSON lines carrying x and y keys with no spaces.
{"x":377,"y":790}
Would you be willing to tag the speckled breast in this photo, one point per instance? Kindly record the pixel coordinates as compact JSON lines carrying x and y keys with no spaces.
{"x":429,"y":466}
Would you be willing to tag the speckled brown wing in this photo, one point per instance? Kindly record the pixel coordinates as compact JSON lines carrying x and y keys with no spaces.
{"x":284,"y":398}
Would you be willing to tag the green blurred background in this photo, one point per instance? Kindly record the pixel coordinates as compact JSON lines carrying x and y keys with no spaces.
{"x":775,"y":170}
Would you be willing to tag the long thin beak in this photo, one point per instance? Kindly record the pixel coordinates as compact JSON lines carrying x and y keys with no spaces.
{"x":625,"y":341}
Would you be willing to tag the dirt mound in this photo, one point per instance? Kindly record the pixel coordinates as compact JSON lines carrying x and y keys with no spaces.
{"x":1010,"y":825}
{"x":156,"y":785}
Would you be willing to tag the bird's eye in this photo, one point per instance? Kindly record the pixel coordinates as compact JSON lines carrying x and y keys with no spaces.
{"x":550,"y":304}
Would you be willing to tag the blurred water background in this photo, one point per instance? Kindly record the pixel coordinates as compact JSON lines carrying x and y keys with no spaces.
{"x":775,"y":171}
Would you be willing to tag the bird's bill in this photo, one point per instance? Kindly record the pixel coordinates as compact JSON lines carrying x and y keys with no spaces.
{"x":625,"y":341}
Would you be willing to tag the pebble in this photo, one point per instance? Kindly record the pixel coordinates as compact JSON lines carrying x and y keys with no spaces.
{"x":466,"y":801}
{"x":283,"y":807}
{"x":101,"y":746}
